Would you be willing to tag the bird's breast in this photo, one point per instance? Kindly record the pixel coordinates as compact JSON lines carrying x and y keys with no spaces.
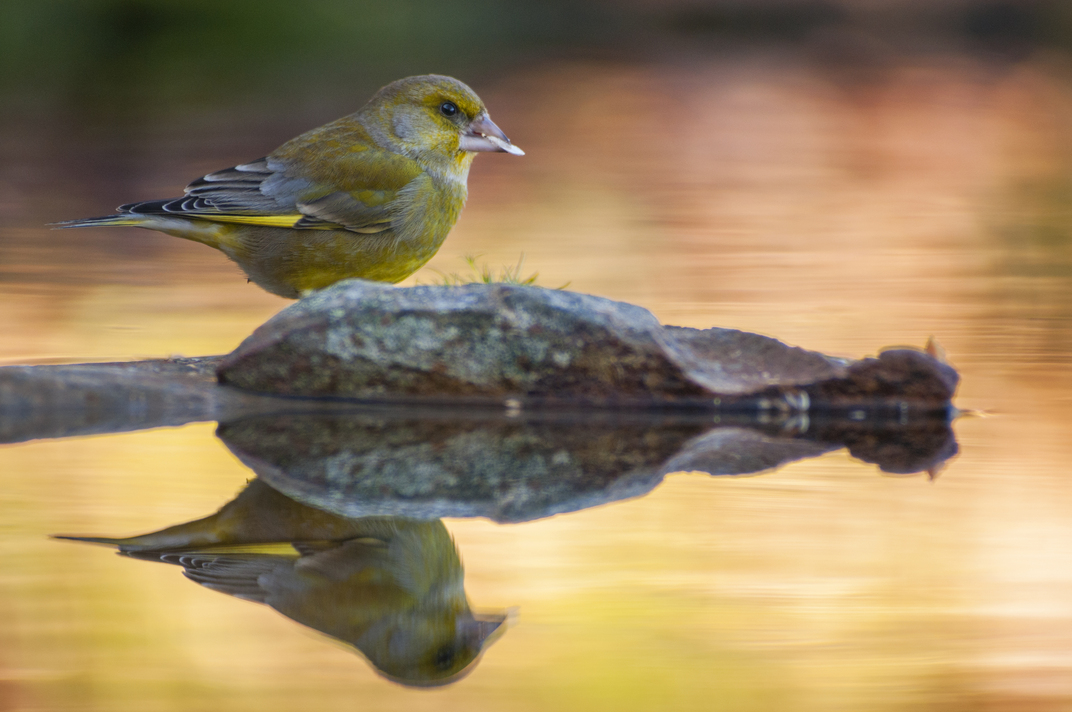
{"x":427,"y":210}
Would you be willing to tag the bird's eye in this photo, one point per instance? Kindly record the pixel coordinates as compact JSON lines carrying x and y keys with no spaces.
{"x":448,"y":108}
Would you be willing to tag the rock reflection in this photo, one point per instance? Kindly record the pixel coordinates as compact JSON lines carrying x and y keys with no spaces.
{"x":389,"y":586}
{"x":523,"y":466}
{"x":341,"y":529}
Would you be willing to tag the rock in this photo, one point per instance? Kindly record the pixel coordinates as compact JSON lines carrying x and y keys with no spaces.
{"x":519,"y":347}
{"x":361,"y":339}
{"x":85,"y":399}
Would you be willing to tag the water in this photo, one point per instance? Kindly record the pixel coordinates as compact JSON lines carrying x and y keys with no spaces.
{"x":840,"y":212}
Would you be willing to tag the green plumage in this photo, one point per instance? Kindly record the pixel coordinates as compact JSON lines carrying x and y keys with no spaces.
{"x":391,"y":587}
{"x":371,"y":195}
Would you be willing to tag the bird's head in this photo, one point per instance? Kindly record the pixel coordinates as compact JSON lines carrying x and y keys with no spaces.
{"x":431,"y":648}
{"x":435,"y":120}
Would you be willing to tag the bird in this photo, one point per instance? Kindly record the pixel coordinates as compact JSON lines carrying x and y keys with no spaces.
{"x":395,"y":594}
{"x":372,"y":195}
{"x":390,"y":587}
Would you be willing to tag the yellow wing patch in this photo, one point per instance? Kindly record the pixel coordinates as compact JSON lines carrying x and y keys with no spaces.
{"x":267,"y":220}
{"x":290,"y":221}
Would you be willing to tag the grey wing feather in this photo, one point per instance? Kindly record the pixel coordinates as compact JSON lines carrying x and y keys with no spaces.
{"x":238,"y":190}
{"x":238,"y":176}
{"x":235,"y":575}
{"x":343,"y":209}
{"x":257,"y":188}
{"x":263,"y":187}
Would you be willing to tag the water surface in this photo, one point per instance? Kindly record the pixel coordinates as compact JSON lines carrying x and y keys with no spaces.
{"x":839,"y":212}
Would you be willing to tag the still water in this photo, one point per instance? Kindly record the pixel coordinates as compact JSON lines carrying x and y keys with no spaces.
{"x":839,"y":212}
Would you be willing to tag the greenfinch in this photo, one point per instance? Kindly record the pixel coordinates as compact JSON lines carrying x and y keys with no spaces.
{"x":389,"y":586}
{"x":371,"y":195}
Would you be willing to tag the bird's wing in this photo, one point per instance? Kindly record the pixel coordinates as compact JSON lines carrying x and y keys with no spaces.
{"x":236,"y":574}
{"x":342,"y":560}
{"x":348,"y":190}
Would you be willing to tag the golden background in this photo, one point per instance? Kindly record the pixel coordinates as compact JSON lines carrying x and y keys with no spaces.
{"x":855,"y":184}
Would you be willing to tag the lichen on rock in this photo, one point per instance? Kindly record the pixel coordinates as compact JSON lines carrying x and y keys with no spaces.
{"x":361,"y":339}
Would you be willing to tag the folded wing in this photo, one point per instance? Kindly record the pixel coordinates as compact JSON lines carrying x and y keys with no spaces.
{"x":356,"y":191}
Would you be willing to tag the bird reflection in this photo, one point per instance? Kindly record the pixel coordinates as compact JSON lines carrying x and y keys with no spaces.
{"x":392,"y":587}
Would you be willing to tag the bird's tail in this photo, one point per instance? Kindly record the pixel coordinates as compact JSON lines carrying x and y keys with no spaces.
{"x":117,"y":220}
{"x":170,"y":538}
{"x":187,"y":227}
{"x":91,"y":539}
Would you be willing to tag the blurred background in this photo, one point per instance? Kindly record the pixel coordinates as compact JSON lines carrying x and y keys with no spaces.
{"x":864,"y":156}
{"x":843,"y":175}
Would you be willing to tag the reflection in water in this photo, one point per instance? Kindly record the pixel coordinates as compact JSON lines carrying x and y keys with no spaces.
{"x":528,"y":465}
{"x":318,"y":537}
{"x":391,"y":587}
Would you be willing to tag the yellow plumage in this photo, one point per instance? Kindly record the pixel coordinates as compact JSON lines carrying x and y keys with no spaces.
{"x":391,"y":587}
{"x":371,"y":195}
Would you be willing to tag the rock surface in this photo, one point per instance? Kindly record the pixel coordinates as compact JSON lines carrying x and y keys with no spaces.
{"x":86,"y":399}
{"x":519,"y":347}
{"x":366,"y":340}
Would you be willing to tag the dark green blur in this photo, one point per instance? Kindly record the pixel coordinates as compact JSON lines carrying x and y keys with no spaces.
{"x":109,"y":54}
{"x":104,"y":53}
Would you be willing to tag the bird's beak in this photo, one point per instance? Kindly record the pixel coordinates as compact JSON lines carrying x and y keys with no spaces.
{"x":484,"y":135}
{"x":486,"y":629}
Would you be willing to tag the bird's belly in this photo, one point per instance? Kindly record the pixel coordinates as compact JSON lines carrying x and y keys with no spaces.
{"x":291,"y":262}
